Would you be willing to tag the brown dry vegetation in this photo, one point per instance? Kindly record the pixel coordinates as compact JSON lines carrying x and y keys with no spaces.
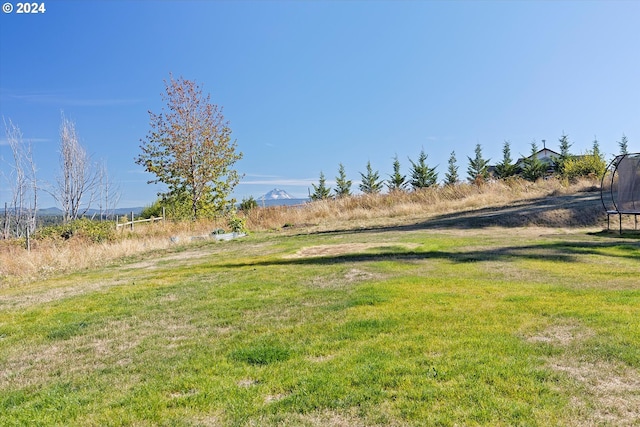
{"x":511,"y":203}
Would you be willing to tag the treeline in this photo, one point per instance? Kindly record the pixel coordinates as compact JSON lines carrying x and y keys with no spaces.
{"x":421,"y":175}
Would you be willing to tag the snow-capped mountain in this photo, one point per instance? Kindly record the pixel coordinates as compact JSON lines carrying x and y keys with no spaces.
{"x":276,"y":194}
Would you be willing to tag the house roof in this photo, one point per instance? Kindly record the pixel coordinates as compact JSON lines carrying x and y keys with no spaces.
{"x":545,"y":155}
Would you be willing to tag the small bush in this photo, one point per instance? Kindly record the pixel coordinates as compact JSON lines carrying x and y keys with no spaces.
{"x":247,"y":204}
{"x":153,"y":211}
{"x":590,"y":166}
{"x":237,"y":224}
{"x":94,"y":231}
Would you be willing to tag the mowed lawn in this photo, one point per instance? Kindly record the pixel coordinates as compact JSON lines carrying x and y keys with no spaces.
{"x":497,"y":326}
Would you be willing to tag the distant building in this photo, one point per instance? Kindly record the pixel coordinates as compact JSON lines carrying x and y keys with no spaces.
{"x":549,"y":157}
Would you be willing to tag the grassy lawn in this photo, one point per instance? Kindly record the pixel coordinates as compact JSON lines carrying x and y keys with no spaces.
{"x":522,"y":326}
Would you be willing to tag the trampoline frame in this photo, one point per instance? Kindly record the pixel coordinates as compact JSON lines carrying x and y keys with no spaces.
{"x":610,"y":190}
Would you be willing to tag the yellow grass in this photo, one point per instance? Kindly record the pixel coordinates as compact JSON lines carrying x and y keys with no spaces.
{"x":53,"y":257}
{"x":372,"y":210}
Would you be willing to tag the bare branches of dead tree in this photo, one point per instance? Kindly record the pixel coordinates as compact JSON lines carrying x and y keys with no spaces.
{"x":77,"y":182}
{"x":20,"y":213}
{"x":108,"y":192}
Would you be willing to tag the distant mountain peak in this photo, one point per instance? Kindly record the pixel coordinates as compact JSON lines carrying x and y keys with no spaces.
{"x":276,"y":194}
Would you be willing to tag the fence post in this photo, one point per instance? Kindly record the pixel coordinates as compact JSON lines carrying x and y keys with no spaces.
{"x":131,"y":220}
{"x":5,"y":226}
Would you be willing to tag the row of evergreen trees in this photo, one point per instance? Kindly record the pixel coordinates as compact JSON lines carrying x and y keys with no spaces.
{"x":422,"y":175}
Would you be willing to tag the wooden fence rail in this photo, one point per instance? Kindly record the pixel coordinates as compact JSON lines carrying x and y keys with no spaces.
{"x":132,"y":222}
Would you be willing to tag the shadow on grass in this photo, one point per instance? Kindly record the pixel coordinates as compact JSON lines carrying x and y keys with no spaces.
{"x":556,"y":252}
{"x":581,"y":210}
{"x":557,"y":211}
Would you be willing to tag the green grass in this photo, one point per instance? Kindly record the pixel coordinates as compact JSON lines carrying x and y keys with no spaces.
{"x":423,"y":327}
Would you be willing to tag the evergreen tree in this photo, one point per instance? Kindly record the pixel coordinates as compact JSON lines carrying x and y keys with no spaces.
{"x":595,"y":151}
{"x":564,"y":153}
{"x":451,"y":177}
{"x":506,"y":168}
{"x":624,"y":148}
{"x":478,"y":167}
{"x":371,"y":183}
{"x":422,"y":176}
{"x":321,"y":191}
{"x":397,"y":181}
{"x":533,"y":168}
{"x":343,"y":185}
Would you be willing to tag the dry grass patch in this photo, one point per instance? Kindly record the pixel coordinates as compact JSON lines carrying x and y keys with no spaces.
{"x":612,"y":389}
{"x":329,"y":418}
{"x":343,"y":249}
{"x":562,"y":335}
{"x":608,"y":392}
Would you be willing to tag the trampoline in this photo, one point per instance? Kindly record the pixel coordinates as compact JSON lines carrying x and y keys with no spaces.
{"x":620,"y":188}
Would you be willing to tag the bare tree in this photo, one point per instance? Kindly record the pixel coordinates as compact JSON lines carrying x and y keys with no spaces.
{"x":77,"y":182}
{"x":109,"y":193}
{"x":20,"y":217}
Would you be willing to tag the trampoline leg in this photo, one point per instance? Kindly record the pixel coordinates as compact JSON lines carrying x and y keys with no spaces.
{"x":620,"y":217}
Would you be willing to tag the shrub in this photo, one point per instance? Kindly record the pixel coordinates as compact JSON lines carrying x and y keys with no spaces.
{"x":237,"y":224}
{"x":247,"y":204}
{"x":589,"y":165}
{"x":95,"y":231}
{"x":155,"y":210}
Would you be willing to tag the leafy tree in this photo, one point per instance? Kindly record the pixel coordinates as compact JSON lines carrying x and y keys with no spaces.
{"x":478,"y":167}
{"x":506,"y":167}
{"x":564,"y":153}
{"x":397,"y":181}
{"x":533,"y":167}
{"x":422,"y":176}
{"x":623,"y":144}
{"x":320,"y":191}
{"x":451,"y":177}
{"x":248,"y":203}
{"x":189,"y":148}
{"x":343,"y":185}
{"x":371,"y":183}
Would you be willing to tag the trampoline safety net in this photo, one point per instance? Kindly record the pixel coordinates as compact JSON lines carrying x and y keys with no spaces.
{"x":620,"y":186}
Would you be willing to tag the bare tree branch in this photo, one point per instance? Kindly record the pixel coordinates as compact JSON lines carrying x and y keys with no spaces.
{"x":78,"y":179}
{"x":20,"y":217}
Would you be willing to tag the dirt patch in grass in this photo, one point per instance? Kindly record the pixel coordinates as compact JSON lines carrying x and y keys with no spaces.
{"x":562,"y":335}
{"x":343,"y":249}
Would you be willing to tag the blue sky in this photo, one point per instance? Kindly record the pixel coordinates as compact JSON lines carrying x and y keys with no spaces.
{"x":307,"y":85}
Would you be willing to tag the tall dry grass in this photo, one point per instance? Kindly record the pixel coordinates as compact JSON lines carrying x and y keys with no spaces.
{"x":382,"y":209}
{"x":51,"y":257}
